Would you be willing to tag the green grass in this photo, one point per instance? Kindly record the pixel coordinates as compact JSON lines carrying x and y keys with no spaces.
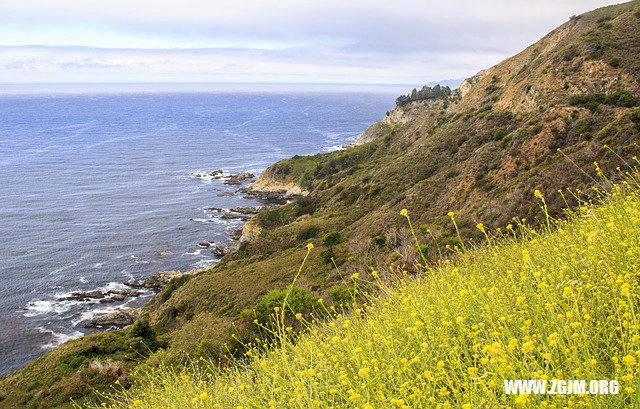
{"x":559,"y":301}
{"x":79,"y":368}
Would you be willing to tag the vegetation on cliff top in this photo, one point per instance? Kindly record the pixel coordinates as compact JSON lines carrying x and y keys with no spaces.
{"x":424,"y":94}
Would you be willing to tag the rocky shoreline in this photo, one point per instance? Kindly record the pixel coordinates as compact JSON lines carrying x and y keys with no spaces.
{"x":229,"y":179}
{"x":125,"y":317}
{"x":274,"y":193}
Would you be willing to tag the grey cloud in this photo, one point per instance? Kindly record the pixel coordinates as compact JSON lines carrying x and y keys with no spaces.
{"x":388,"y":41}
{"x":88,"y":63}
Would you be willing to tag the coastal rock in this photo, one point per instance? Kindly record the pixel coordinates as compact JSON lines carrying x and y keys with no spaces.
{"x":225,"y":248}
{"x":270,"y":187}
{"x":236,"y":234}
{"x":238,"y":178}
{"x":161,"y":278}
{"x":231,"y":216}
{"x":125,"y":293}
{"x":83,"y":296}
{"x":204,"y":244}
{"x":250,"y":230}
{"x":250,"y":210}
{"x":215,"y":174}
{"x":89,"y":294}
{"x":102,"y":296}
{"x":134,"y":284}
{"x":155,"y":281}
{"x":115,"y":319}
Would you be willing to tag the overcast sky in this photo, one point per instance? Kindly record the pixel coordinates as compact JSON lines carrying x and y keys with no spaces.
{"x":336,"y":41}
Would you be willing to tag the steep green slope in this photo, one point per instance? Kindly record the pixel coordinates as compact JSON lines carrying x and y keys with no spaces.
{"x":482,"y":158}
{"x":556,"y":302}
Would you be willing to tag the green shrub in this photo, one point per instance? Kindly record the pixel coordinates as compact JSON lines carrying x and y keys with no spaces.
{"x":327,"y":256}
{"x":308,"y":233}
{"x":305,"y":205}
{"x":342,"y":295}
{"x":306,"y":180}
{"x":634,"y":116}
{"x":142,"y":329}
{"x":499,"y":134}
{"x":615,"y":62}
{"x":591,"y":101}
{"x":537,"y":128}
{"x":331,"y":239}
{"x":173,"y":285}
{"x":298,"y":301}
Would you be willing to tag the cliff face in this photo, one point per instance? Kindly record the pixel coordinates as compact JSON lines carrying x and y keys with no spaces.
{"x":272,"y":184}
{"x":481,"y":158}
{"x":401,"y":114}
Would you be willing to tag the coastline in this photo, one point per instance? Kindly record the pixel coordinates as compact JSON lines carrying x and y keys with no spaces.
{"x":267,"y":187}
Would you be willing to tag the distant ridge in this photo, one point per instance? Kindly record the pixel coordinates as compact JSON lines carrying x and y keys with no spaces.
{"x":451,"y":83}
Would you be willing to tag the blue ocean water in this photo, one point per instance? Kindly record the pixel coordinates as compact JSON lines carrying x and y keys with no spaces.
{"x":97,"y":188}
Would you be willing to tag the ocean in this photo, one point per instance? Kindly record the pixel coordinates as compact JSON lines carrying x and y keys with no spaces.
{"x":98,"y":186}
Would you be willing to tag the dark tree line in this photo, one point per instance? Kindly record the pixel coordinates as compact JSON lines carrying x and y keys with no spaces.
{"x":425,"y":93}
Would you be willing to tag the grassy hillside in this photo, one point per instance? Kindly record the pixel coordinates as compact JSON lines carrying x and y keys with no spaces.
{"x":556,"y":302}
{"x":531,"y":122}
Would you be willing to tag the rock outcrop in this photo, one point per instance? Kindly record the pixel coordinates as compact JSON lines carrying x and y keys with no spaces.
{"x":238,"y":178}
{"x":250,"y":230}
{"x":159,"y":279}
{"x":271,"y":187}
{"x":120,"y":318}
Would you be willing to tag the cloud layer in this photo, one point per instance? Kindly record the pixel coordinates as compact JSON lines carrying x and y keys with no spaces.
{"x":264,"y":40}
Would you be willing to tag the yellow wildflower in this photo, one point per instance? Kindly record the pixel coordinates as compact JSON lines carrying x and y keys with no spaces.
{"x":629,"y":360}
{"x":625,"y":290}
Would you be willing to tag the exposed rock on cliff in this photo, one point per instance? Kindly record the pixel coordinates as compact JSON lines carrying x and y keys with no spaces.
{"x":159,"y":279}
{"x":120,"y":318}
{"x":270,"y":185}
